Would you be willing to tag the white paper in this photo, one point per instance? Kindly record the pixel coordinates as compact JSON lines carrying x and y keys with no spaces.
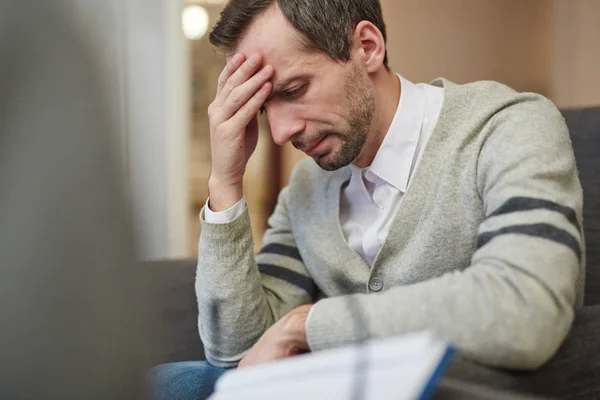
{"x":398,"y":368}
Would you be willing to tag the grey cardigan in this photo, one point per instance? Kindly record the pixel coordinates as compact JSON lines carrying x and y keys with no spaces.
{"x":487,"y":247}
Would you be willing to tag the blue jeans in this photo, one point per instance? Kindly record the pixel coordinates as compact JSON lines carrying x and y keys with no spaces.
{"x":184,"y":380}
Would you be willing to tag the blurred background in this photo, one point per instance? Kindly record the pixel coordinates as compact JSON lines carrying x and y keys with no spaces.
{"x":162,"y":73}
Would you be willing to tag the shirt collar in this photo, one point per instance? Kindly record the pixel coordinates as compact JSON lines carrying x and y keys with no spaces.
{"x":394,"y":159}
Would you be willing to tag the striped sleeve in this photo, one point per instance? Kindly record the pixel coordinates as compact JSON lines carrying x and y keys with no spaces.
{"x":241,"y":295}
{"x":284,"y":263}
{"x":280,"y":263}
{"x":548,"y":221}
{"x":532,"y":238}
{"x":533,"y":200}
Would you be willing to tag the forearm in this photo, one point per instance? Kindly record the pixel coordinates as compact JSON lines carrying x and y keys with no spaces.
{"x":239,"y":295}
{"x":492,"y":314}
{"x":232,"y":305}
{"x":511,"y":308}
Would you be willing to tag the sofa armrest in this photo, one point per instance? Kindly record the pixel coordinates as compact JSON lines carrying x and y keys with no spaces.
{"x":173,"y":311}
{"x":574,"y":372}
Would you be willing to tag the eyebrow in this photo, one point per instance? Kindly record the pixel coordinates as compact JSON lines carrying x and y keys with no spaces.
{"x":280,"y":88}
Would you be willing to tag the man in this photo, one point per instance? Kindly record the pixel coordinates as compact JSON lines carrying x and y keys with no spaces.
{"x":448,"y":207}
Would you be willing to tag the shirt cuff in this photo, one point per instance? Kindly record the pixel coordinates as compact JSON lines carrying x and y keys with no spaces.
{"x":224,"y":217}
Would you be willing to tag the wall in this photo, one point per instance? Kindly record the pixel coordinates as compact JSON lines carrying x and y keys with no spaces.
{"x":467,"y":40}
{"x":142,"y":55}
{"x":576,"y":58}
{"x":157,"y":112}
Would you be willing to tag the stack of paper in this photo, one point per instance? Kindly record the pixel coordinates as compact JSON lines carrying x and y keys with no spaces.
{"x":402,"y":368}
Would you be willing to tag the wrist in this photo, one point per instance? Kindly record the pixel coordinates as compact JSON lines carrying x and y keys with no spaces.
{"x":295,"y":327}
{"x":223,"y":196}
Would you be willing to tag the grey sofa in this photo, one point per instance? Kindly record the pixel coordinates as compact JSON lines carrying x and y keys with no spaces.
{"x":573,"y":373}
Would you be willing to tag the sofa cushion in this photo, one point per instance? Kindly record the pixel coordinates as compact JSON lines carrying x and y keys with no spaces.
{"x":584,"y":125}
{"x":571,"y":374}
{"x":574,"y":371}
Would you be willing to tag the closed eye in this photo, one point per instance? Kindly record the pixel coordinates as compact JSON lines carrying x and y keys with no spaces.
{"x":291,"y":94}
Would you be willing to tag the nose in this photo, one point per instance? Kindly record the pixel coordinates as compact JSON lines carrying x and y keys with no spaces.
{"x":284,"y":123}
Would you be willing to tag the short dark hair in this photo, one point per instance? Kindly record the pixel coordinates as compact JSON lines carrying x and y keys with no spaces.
{"x":326,"y":25}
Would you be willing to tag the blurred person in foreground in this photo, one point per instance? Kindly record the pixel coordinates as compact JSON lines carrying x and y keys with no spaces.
{"x":69,"y":291}
{"x":439,"y":206}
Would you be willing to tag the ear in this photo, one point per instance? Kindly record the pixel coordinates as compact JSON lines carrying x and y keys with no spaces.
{"x":369,"y":46}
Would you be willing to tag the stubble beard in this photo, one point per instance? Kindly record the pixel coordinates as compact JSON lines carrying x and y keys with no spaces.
{"x":361,"y":108}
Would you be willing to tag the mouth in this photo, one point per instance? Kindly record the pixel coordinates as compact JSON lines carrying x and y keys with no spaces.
{"x":314,"y":148}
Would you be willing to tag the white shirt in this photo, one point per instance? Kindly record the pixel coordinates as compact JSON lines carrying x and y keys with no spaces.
{"x":370,"y":201}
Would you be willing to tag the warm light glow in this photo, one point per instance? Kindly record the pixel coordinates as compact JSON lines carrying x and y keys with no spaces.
{"x":195,"y":22}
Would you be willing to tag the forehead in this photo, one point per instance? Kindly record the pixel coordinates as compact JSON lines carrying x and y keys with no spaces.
{"x":281,"y":45}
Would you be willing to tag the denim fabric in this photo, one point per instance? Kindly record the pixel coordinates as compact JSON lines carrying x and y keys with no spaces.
{"x":183,"y":380}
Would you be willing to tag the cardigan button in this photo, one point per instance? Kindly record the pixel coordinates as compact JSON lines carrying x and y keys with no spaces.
{"x":376,"y":284}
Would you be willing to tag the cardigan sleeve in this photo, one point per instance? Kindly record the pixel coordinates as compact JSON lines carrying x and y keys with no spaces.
{"x":241,"y":295}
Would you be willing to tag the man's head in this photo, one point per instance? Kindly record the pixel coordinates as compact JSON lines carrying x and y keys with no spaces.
{"x":329,"y":58}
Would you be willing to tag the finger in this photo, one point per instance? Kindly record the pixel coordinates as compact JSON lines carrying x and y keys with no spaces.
{"x":241,"y":75}
{"x":243,"y":93}
{"x":249,"y":110}
{"x":230,"y":68}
